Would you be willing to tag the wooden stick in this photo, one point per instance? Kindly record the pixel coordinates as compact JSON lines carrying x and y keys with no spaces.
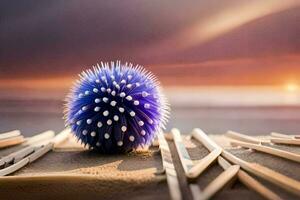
{"x":285,"y":141}
{"x":10,"y":134}
{"x":184,"y":156}
{"x":204,"y":163}
{"x":241,"y":137}
{"x":218,"y":183}
{"x":269,"y":150}
{"x":280,"y":135}
{"x":187,"y":164}
{"x":40,"y":152}
{"x":14,"y":167}
{"x":61,"y":137}
{"x":276,"y":178}
{"x":11,"y":141}
{"x":46,"y":146}
{"x":186,"y":161}
{"x":250,"y":182}
{"x":205,"y":140}
{"x":169,"y":168}
{"x":44,"y":136}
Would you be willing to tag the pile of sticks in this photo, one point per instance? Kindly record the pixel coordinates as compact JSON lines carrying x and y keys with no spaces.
{"x":233,"y":166}
{"x":29,"y":149}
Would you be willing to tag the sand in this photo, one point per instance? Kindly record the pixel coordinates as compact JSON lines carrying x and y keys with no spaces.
{"x":70,"y":172}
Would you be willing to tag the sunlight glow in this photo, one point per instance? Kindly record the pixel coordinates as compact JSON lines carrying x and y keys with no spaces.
{"x":292,"y":87}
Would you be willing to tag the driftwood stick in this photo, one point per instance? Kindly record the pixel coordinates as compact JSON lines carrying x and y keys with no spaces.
{"x":14,"y":167}
{"x":204,"y":163}
{"x":285,"y":141}
{"x":269,"y":150}
{"x":186,"y":161}
{"x":280,"y":135}
{"x":250,"y":182}
{"x":184,"y":157}
{"x":45,"y":146}
{"x":276,"y":178}
{"x":218,"y":183}
{"x":169,"y":168}
{"x":241,"y":137}
{"x":10,"y":134}
{"x":41,"y":137}
{"x":11,"y":141}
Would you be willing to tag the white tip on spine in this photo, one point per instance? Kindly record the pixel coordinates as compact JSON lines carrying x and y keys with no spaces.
{"x":105,"y":99}
{"x":121,"y":110}
{"x":143,"y":132}
{"x":105,"y":113}
{"x":97,"y":100}
{"x":132,"y":113}
{"x":144,"y":94}
{"x":120,"y":143}
{"x":84,"y":132}
{"x":88,"y":121}
{"x":122,"y":94}
{"x":109,"y":122}
{"x":129,"y":86}
{"x":93,"y":134}
{"x":106,"y":136}
{"x":147,"y":105}
{"x":141,"y":123}
{"x":136,"y":102}
{"x":116,"y":118}
{"x":96,"y":109}
{"x":84,"y":108}
{"x":113,"y":103}
{"x":129,"y":98}
{"x":95,"y":90}
{"x":131,"y":138}
{"x":99,"y":124}
{"x":113,"y":93}
{"x":123,"y":128}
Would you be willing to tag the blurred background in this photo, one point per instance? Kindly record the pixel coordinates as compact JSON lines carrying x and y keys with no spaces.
{"x":230,"y":64}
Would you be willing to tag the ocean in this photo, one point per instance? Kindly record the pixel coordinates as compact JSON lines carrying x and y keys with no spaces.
{"x":214,"y":110}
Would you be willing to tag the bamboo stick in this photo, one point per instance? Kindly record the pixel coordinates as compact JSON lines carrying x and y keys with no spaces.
{"x":280,"y":135}
{"x":241,"y":137}
{"x":269,"y":150}
{"x":11,"y":141}
{"x":184,"y":157}
{"x":14,"y":167}
{"x":10,"y":134}
{"x":276,"y":178}
{"x":45,"y":146}
{"x":285,"y":141}
{"x":204,"y":163}
{"x":169,"y":168}
{"x":44,"y":136}
{"x":186,"y":162}
{"x":250,"y":182}
{"x":218,"y":183}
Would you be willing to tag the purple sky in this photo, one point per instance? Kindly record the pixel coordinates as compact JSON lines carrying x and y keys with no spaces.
{"x":40,"y":39}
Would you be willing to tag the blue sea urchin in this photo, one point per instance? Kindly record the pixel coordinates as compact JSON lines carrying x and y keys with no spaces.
{"x":116,"y":107}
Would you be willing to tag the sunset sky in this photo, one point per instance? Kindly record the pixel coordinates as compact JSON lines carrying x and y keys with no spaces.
{"x":229,"y":42}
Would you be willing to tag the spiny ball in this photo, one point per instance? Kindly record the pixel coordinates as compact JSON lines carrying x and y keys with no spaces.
{"x":116,"y":107}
